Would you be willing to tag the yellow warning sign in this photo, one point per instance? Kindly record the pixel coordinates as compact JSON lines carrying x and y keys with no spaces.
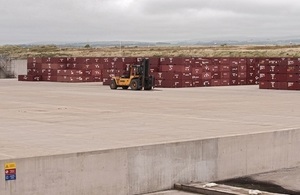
{"x":10,"y":166}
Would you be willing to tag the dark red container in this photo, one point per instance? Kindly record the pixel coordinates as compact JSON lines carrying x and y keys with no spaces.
{"x":294,"y":62}
{"x":113,"y":71}
{"x":54,"y":66}
{"x":215,"y":82}
{"x":225,"y":75}
{"x":187,"y":69}
{"x":242,"y":61}
{"x":29,"y":78}
{"x":225,"y":82}
{"x":96,"y":73}
{"x":234,"y":69}
{"x":206,"y":82}
{"x":187,"y":83}
{"x":87,"y":73}
{"x":115,"y":65}
{"x":200,"y":62}
{"x":273,"y":85}
{"x":234,"y":75}
{"x":251,"y":74}
{"x":207,"y":68}
{"x":73,"y":66}
{"x":167,"y":83}
{"x":242,"y":75}
{"x":97,"y":79}
{"x":225,"y":68}
{"x":267,"y":68}
{"x":129,"y":60}
{"x":270,"y":61}
{"x":233,"y":81}
{"x":187,"y":77}
{"x":152,"y":70}
{"x":293,"y":69}
{"x":234,"y":62}
{"x":63,"y":78}
{"x":281,"y":85}
{"x":63,"y":72}
{"x":81,"y":60}
{"x":76,"y":73}
{"x":196,"y":71}
{"x":216,"y":75}
{"x":206,"y":76}
{"x":293,"y":85}
{"x":242,"y":68}
{"x":196,"y":78}
{"x":173,"y":61}
{"x":293,"y":77}
{"x":189,"y":61}
{"x":282,"y":69}
{"x":110,"y":75}
{"x":106,"y":81}
{"x":34,"y":72}
{"x":242,"y":81}
{"x":49,"y":78}
{"x":177,"y":76}
{"x":54,"y":60}
{"x":85,"y":66}
{"x":87,"y":79}
{"x":34,"y":60}
{"x":34,"y":65}
{"x":49,"y":72}
{"x":252,"y":61}
{"x":225,"y":61}
{"x":198,"y":83}
{"x":265,"y":85}
{"x":215,"y":68}
{"x":154,"y":61}
{"x":172,"y":68}
{"x":251,"y":81}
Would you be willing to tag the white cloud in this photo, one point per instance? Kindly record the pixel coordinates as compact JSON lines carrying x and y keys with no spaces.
{"x":150,"y":20}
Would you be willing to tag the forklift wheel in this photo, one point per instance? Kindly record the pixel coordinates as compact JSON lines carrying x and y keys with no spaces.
{"x":113,"y":84}
{"x":148,"y":88}
{"x":134,"y":84}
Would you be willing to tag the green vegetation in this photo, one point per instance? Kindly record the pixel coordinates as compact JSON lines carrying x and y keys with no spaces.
{"x":22,"y":52}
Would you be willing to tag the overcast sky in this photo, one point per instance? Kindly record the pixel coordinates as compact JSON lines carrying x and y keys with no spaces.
{"x":28,"y":21}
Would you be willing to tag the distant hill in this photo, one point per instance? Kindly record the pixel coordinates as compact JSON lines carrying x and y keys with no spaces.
{"x":172,"y":43}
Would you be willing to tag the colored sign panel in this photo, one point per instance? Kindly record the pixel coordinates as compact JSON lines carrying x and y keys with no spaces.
{"x":10,"y":166}
{"x":10,"y":177}
{"x":10,"y":171}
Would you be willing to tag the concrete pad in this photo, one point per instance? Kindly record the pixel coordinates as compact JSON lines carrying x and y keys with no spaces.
{"x":172,"y":192}
{"x":219,"y":189}
{"x":44,"y":118}
{"x":286,"y":178}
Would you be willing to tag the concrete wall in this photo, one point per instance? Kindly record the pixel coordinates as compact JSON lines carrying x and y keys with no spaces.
{"x":144,"y":169}
{"x":19,"y":67}
{"x":2,"y":74}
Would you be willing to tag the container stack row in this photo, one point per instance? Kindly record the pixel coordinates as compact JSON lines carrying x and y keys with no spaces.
{"x":62,"y":70}
{"x":199,"y":72}
{"x":279,"y":73}
{"x":169,"y":72}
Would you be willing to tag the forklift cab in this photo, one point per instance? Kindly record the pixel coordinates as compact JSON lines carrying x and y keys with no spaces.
{"x":132,"y":71}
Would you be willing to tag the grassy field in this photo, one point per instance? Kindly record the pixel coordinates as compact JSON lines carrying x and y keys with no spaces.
{"x":18,"y":52}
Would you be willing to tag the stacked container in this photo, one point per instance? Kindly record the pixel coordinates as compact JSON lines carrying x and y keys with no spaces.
{"x":63,"y":70}
{"x":169,"y":72}
{"x":279,"y":73}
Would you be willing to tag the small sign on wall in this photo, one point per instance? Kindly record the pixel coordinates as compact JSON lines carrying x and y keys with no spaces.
{"x":10,"y":170}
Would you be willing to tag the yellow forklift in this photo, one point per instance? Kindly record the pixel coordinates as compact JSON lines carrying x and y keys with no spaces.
{"x":137,"y":77}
